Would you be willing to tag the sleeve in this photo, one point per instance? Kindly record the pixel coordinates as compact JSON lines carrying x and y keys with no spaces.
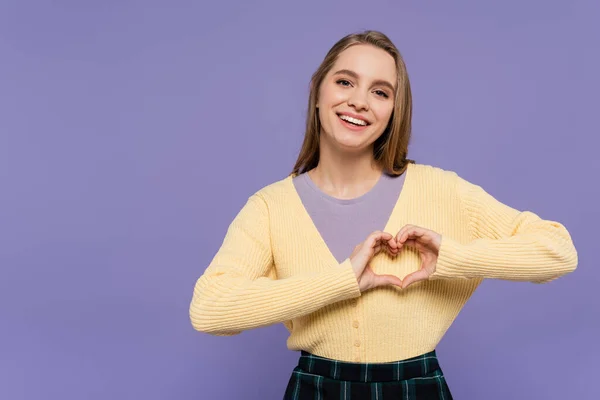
{"x":239,"y":291}
{"x":506,"y":243}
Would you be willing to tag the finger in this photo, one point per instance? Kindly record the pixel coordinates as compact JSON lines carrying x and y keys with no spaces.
{"x":416,"y":276}
{"x":376,"y":236}
{"x":402,"y":230}
{"x":393,"y":245}
{"x":390,"y":243}
{"x":413,"y":243}
{"x":383,"y":239}
{"x":385,"y":246}
{"x":414,"y":232}
{"x":401,"y":233}
{"x":382,"y":235}
{"x":391,"y":252}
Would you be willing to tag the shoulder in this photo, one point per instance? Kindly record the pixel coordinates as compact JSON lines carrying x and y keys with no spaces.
{"x":260,"y":203}
{"x":276,"y":193}
{"x":433,"y":176}
{"x":451,"y":183}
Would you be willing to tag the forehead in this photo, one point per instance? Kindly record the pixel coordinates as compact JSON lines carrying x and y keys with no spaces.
{"x":368,"y":62}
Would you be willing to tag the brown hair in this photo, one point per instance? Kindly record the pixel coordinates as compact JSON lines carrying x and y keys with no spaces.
{"x":391,"y":148}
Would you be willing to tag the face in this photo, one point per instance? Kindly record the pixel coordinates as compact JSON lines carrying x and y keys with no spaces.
{"x":356,"y":98}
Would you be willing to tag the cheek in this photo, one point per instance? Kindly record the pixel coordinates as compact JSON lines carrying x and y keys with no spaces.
{"x":331,"y":96}
{"x":383,"y":112}
{"x":338,"y":96}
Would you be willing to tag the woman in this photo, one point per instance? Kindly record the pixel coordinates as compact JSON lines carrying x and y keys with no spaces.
{"x":364,"y":255}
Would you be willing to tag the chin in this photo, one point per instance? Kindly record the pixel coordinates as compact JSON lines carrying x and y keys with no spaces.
{"x":352,"y":139}
{"x":350,"y":144}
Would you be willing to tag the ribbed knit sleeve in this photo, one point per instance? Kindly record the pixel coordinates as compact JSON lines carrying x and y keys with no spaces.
{"x":238,"y":291}
{"x":507,"y":244}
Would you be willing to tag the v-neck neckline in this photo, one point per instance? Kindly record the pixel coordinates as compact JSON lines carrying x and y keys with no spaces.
{"x":314,"y":231}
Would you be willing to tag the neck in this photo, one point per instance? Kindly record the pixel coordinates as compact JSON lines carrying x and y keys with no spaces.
{"x":345,"y":175}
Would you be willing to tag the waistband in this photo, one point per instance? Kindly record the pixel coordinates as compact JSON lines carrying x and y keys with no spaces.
{"x":416,"y":367}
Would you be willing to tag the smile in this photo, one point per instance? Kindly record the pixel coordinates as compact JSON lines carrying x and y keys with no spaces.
{"x":353,"y":121}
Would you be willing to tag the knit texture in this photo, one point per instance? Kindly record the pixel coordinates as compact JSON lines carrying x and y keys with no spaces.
{"x":274,"y":267}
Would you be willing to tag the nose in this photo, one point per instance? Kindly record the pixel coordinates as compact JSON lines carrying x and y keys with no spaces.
{"x":358,"y":100}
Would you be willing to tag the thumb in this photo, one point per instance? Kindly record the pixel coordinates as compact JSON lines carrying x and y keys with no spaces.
{"x":382,"y":280}
{"x":416,"y":276}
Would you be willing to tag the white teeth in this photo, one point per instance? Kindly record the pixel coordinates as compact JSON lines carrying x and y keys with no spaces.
{"x":353,"y":120}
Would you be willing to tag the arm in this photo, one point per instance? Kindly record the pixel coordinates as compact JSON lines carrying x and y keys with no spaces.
{"x":238,"y":290}
{"x":507,"y":244}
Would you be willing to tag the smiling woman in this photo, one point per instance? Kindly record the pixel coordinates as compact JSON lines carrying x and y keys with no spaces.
{"x":362,"y":77}
{"x":364,"y":255}
{"x":354,"y":98}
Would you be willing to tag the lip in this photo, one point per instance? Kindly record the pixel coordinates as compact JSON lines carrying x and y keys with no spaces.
{"x":352,"y":127}
{"x":349,"y":114}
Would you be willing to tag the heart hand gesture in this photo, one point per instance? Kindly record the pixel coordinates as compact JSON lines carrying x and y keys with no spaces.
{"x":363,"y":253}
{"x":427,"y":242}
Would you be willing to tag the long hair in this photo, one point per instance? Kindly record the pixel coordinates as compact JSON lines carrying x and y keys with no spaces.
{"x":391,"y":148}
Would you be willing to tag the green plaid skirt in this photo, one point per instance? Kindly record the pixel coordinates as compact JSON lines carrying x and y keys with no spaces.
{"x":319,"y":378}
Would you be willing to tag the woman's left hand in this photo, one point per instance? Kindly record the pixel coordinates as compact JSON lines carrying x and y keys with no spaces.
{"x":427,"y":242}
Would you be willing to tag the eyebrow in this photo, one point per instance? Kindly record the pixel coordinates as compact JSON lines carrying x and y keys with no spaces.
{"x":378,"y":82}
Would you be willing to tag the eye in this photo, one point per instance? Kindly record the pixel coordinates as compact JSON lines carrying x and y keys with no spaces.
{"x":343,"y":82}
{"x":381,"y":93}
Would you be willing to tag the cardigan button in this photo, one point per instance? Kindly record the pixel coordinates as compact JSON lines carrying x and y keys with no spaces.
{"x":357,"y":343}
{"x":355,"y":324}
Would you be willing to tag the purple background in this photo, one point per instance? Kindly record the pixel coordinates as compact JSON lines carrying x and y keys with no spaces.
{"x":131,"y":133}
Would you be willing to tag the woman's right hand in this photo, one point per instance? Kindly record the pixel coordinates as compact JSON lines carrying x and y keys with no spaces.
{"x":364,"y":252}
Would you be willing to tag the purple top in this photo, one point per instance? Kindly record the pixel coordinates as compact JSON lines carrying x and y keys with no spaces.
{"x":344,"y":223}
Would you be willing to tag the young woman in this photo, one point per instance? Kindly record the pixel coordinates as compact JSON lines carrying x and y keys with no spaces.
{"x":364,"y":255}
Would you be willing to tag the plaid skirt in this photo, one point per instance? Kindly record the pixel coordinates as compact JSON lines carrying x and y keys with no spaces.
{"x":319,"y":378}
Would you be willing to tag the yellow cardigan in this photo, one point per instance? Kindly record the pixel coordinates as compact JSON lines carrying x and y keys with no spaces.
{"x":274,"y":267}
